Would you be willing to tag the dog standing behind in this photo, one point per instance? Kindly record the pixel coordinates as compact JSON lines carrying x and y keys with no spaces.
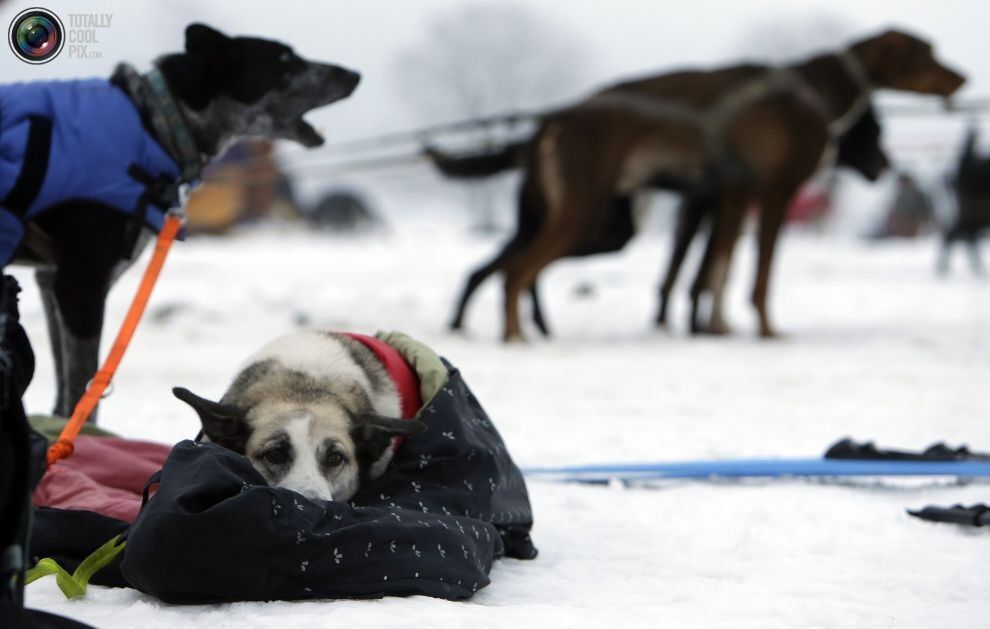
{"x":314,"y":412}
{"x":758,"y":131}
{"x":971,"y":185}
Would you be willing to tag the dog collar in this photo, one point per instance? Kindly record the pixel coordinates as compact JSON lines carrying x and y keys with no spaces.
{"x":152,"y":97}
{"x":399,"y":370}
{"x":189,"y":157}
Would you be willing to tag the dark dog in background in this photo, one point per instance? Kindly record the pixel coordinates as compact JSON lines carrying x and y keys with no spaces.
{"x":223,"y":88}
{"x":757,"y":132}
{"x":971,"y":185}
{"x":859,"y":149}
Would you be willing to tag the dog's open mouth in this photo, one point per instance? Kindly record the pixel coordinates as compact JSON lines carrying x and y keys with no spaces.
{"x":332,"y":84}
{"x":306,"y":134}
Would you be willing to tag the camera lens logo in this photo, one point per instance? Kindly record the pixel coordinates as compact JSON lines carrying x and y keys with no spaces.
{"x":36,"y":35}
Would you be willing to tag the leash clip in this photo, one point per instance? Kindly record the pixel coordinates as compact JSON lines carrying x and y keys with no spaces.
{"x":107,"y":392}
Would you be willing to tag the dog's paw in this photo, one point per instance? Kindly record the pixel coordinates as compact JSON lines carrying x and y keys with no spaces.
{"x":515,"y":339}
{"x":769,"y":334}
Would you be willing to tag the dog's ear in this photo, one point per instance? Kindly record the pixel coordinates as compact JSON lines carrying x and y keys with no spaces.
{"x":371,"y":425}
{"x":219,"y":54}
{"x":204,"y":40}
{"x":225,"y":425}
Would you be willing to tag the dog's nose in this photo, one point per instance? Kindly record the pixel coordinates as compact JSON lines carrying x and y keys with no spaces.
{"x":316,"y":496}
{"x":350,"y":78}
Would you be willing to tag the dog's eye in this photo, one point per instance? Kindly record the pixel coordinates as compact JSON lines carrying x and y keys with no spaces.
{"x":335,"y":459}
{"x":285,"y":57}
{"x":276,"y":456}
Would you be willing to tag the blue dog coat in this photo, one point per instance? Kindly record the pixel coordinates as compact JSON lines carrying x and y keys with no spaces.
{"x":92,"y":135}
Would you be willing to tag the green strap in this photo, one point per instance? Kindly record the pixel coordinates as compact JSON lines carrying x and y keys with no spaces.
{"x":51,"y":427}
{"x":73,"y":585}
{"x":428,"y":366}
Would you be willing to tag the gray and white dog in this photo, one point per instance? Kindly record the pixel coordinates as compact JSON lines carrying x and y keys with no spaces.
{"x":314,"y":412}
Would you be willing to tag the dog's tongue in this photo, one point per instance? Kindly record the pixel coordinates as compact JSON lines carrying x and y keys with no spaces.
{"x":307,"y":135}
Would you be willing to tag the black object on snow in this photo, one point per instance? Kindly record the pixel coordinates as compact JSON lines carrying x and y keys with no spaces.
{"x":450,"y":504}
{"x":343,"y":211}
{"x":867,"y":451}
{"x":974,"y":515}
{"x":19,"y":469}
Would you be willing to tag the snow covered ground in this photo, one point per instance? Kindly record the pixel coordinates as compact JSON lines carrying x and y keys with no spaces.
{"x":876,"y":348}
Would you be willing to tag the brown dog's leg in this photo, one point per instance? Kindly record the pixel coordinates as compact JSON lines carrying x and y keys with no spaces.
{"x":689,"y":218}
{"x":528,"y":223}
{"x":773,"y":213}
{"x":713,"y":273}
{"x":474,"y":281}
{"x":513,"y":288}
{"x":719,"y":272}
{"x":521,"y":276}
{"x":530,"y":271}
{"x":522,"y":271}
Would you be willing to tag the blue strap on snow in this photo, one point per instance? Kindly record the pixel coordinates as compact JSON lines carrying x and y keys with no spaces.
{"x":757,"y":468}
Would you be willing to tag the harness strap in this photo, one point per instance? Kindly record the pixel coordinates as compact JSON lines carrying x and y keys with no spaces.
{"x":63,"y":448}
{"x":712,"y":121}
{"x":854,"y":67}
{"x":855,"y":70}
{"x":35,"y":165}
{"x":154,"y":479}
{"x":161,"y":191}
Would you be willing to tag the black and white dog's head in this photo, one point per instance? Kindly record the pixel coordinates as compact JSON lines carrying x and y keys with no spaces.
{"x":314,"y":412}
{"x":233,"y":87}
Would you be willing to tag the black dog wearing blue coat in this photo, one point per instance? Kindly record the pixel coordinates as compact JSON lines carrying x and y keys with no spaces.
{"x":87,"y":166}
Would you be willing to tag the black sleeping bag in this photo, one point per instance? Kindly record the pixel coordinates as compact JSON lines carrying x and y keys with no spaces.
{"x":451,"y":502}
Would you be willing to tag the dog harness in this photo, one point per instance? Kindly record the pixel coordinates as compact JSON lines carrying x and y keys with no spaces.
{"x":774,"y":80}
{"x":83,"y":140}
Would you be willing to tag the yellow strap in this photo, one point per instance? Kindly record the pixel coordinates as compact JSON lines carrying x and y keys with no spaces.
{"x":75,"y":584}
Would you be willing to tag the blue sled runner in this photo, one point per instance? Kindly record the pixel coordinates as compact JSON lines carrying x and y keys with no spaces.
{"x":845,"y":458}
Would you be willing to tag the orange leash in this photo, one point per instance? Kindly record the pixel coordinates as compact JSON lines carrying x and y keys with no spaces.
{"x":62,"y":449}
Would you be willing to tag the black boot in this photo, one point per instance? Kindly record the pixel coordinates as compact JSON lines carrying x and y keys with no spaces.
{"x":21,"y":465}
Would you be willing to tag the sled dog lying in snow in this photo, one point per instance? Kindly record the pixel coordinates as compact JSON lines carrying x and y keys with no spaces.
{"x":315,"y":412}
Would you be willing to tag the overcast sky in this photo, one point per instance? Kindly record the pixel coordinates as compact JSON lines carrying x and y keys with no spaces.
{"x":621,"y":37}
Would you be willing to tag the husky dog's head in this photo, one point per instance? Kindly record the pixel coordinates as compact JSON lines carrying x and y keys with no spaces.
{"x":233,"y":87}
{"x":305,"y":412}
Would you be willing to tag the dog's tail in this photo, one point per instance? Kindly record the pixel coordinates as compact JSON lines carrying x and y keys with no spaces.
{"x":478,"y":165}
